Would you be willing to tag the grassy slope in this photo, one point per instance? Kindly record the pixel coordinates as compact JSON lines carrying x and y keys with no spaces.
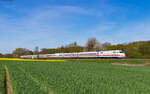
{"x":78,"y":78}
{"x":2,"y":90}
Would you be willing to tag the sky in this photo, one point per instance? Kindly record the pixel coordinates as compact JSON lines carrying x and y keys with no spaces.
{"x":53,"y":23}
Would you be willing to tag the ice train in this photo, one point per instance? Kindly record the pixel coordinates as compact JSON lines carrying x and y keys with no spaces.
{"x":93,"y":54}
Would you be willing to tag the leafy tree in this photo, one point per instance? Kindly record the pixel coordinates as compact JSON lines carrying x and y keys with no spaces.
{"x":72,"y":47}
{"x":98,"y":47}
{"x":74,"y":44}
{"x":145,"y":49}
{"x":106,"y":44}
{"x":1,"y":55}
{"x":21,"y":51}
{"x":90,"y":44}
{"x":93,"y":45}
{"x":8,"y":56}
{"x":135,"y":54}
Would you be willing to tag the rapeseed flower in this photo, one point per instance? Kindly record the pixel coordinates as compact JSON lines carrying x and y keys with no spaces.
{"x":18,"y":59}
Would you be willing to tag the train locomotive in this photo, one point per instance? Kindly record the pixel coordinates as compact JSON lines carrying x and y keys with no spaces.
{"x":93,"y":54}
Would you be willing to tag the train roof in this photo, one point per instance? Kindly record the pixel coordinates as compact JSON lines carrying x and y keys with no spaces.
{"x":90,"y":52}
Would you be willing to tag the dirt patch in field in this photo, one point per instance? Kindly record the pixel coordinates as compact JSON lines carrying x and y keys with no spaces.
{"x":126,"y":64}
{"x":8,"y":88}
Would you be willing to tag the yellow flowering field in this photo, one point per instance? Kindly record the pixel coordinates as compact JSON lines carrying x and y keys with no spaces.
{"x":17,"y":59}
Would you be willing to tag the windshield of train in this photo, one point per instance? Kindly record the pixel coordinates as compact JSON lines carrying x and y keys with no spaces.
{"x":121,"y":51}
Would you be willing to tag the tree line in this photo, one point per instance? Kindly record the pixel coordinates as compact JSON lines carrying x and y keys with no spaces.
{"x":140,"y":49}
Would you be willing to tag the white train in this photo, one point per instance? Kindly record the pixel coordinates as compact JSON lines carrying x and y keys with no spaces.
{"x":95,"y":54}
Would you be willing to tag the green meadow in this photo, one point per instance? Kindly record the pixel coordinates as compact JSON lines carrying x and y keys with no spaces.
{"x":76,"y":77}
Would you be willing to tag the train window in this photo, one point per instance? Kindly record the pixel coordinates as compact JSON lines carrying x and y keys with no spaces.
{"x":50,"y":55}
{"x":92,"y":54}
{"x":83,"y":53}
{"x":114,"y":52}
{"x":121,"y":51}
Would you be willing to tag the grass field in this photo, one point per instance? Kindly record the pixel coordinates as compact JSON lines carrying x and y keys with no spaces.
{"x":2,"y":91}
{"x":110,"y":61}
{"x":76,"y":77}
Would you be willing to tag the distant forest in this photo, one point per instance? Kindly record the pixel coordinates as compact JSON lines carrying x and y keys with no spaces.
{"x":139,"y":49}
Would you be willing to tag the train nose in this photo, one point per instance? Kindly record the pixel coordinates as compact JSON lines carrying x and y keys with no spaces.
{"x":123,"y":55}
